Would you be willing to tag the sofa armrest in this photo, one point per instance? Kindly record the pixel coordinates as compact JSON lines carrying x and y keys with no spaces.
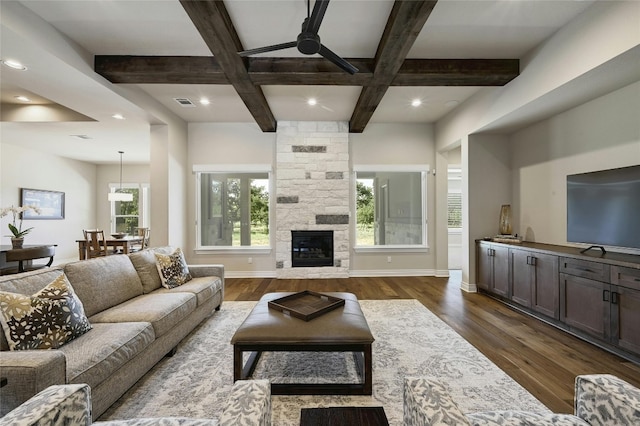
{"x":248,"y":405}
{"x":427,"y":402}
{"x":605,"y":399}
{"x":56,"y":405}
{"x":27,"y":373}
{"x":208,"y":271}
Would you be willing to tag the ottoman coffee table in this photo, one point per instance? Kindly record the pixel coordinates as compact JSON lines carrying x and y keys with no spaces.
{"x":343,"y":329}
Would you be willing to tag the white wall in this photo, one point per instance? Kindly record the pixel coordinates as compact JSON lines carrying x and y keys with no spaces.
{"x":244,"y":143}
{"x":26,"y":168}
{"x":228,"y":143}
{"x":601,"y":134}
{"x":594,"y":54}
{"x":400,"y":143}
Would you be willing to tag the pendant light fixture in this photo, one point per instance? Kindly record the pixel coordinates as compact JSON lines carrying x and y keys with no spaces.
{"x":120,"y":196}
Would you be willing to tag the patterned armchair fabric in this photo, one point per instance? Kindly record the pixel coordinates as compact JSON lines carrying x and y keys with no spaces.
{"x":249,"y":404}
{"x":600,"y":399}
{"x":56,"y":405}
{"x":603,"y":399}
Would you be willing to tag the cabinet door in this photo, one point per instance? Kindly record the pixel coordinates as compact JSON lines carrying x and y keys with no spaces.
{"x":501,"y":270}
{"x":625,"y":318}
{"x":546,"y":288}
{"x":523,"y":269}
{"x":484,"y":262}
{"x":585,"y":305}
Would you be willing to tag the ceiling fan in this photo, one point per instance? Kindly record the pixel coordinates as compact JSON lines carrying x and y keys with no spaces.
{"x":308,"y":41}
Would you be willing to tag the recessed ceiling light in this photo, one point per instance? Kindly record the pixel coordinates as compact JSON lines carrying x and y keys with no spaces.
{"x":23,"y":98}
{"x":416,"y":103}
{"x":312,"y":101}
{"x":118,"y":116}
{"x":14,"y":64}
{"x":204,"y":101}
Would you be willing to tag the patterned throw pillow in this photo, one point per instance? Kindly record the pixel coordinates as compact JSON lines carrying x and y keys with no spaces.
{"x":172,"y":268}
{"x":46,"y":320}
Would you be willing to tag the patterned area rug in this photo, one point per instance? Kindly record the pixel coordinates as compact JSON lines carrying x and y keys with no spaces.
{"x":410,"y":341}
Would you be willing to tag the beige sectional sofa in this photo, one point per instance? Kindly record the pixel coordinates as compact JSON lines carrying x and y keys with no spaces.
{"x":134,"y":321}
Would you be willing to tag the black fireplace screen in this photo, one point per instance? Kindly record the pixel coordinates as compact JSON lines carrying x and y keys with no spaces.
{"x":311,"y":248}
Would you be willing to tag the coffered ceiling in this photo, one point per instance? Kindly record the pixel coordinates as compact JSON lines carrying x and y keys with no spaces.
{"x":438,"y":52}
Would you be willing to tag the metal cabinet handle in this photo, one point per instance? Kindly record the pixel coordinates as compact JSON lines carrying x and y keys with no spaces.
{"x":614,"y":297}
{"x":605,"y":295}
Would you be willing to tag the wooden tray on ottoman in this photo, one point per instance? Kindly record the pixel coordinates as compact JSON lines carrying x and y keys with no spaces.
{"x":306,"y":305}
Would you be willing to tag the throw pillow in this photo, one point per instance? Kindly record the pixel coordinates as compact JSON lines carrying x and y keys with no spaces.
{"x":45,"y":320}
{"x":172,"y":268}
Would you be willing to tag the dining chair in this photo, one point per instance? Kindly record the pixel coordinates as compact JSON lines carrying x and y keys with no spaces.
{"x":144,"y":243}
{"x":96,"y":244}
{"x":24,"y":256}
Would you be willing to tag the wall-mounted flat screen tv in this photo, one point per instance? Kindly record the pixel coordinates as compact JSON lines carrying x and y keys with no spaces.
{"x":603,"y":207}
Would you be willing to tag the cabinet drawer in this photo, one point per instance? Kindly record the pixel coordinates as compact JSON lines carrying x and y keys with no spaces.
{"x":584,"y":268}
{"x":625,"y":277}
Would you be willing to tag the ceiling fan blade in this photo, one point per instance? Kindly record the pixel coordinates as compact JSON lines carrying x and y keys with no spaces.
{"x":268,"y":48}
{"x":325,"y":52}
{"x":319,"y":8}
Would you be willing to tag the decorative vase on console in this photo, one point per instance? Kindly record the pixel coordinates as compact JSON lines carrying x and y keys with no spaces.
{"x":505,"y":219}
{"x":18,"y":234}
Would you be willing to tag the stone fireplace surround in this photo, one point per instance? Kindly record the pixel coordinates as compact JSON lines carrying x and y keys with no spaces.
{"x":312,"y":192}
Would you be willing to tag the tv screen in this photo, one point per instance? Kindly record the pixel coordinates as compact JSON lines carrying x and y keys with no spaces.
{"x":603,"y":207}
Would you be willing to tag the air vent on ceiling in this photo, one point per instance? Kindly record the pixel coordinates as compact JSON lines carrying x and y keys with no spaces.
{"x":185,"y":102}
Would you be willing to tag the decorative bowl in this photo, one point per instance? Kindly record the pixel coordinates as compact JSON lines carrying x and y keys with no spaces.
{"x":119,"y":235}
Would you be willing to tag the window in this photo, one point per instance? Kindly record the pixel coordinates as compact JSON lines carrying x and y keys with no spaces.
{"x":126,"y":216}
{"x":454,"y":198}
{"x":391,"y":207}
{"x":233,"y":209}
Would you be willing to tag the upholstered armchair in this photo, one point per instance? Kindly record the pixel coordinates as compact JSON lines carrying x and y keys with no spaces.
{"x":249,"y":404}
{"x":600,"y":399}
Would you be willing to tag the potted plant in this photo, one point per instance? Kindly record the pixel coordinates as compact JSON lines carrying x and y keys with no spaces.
{"x":15,"y":226}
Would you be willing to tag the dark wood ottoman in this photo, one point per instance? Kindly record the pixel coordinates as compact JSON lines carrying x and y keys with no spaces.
{"x":343,"y":329}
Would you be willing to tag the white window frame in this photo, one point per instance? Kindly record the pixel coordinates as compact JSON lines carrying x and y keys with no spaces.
{"x":199,"y":169}
{"x":424,"y":170}
{"x":143,"y":204}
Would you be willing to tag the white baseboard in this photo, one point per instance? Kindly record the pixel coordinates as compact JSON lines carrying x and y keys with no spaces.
{"x":249,"y":274}
{"x":469,"y":288}
{"x":393,"y":273}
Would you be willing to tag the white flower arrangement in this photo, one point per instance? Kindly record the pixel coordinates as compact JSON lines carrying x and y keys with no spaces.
{"x":16,"y":224}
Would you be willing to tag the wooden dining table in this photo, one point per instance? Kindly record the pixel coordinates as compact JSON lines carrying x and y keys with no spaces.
{"x":118,"y":245}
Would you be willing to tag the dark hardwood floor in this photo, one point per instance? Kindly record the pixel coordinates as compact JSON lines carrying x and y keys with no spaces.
{"x":540,"y":357}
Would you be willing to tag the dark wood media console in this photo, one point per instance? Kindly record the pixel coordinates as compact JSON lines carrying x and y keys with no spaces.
{"x":592,"y":295}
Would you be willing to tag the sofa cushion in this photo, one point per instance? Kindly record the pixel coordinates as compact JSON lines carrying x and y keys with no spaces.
{"x":163,"y":311}
{"x":103,"y":282}
{"x":204,"y":288}
{"x":46,"y":320}
{"x":145,"y":263}
{"x":523,"y":418}
{"x":104,"y":349}
{"x":172,"y":268}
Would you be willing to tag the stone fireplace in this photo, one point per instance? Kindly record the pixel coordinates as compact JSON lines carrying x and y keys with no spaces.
{"x":312,"y":193}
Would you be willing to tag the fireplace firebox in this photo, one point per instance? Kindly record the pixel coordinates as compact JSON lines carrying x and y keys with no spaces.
{"x":311,"y":248}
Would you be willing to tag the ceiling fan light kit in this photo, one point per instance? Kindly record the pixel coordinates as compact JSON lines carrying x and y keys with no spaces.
{"x":308,"y":41}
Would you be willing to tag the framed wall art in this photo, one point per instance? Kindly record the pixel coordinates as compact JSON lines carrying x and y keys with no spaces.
{"x":50,"y":204}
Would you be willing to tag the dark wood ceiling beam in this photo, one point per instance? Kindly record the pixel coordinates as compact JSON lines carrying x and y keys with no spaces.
{"x":456,"y":72}
{"x":304,"y":71}
{"x":160,"y":69}
{"x":214,"y":25}
{"x":405,"y":22}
